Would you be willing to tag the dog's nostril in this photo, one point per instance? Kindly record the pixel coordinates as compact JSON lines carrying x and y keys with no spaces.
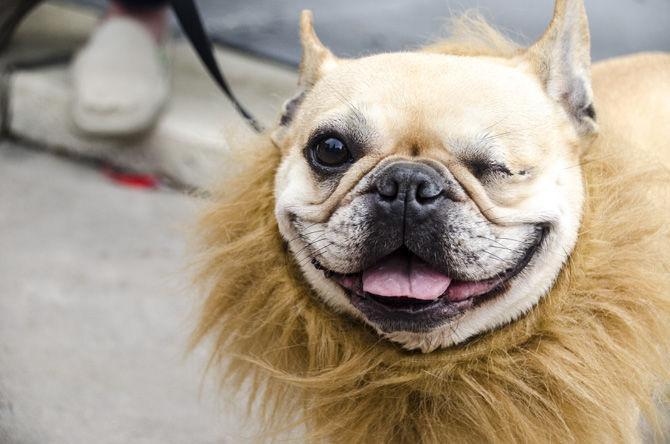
{"x":428,"y":191}
{"x":387,"y":189}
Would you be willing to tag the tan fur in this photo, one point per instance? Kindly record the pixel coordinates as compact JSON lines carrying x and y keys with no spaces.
{"x":579,"y":367}
{"x":627,"y":89}
{"x":315,"y":55}
{"x":471,"y":35}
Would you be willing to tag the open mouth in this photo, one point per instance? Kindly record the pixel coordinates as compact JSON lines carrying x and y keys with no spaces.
{"x":401,"y":292}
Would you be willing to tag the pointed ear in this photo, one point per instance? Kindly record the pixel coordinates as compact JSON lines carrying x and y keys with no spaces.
{"x":316,"y":58}
{"x":562,"y":59}
{"x":316,"y":61}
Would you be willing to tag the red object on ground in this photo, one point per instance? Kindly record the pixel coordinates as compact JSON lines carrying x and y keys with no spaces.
{"x":133,"y":180}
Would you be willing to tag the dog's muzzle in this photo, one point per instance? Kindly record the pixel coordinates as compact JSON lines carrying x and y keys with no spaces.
{"x":419,"y":264}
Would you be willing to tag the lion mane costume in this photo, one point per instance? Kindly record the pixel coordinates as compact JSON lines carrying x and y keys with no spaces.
{"x":588,"y":364}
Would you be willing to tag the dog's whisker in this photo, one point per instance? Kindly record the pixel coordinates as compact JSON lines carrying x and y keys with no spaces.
{"x":499,"y":258}
{"x":311,"y":244}
{"x":502,"y":247}
{"x":588,"y":161}
{"x":484,"y":272}
{"x":314,"y":254}
{"x":522,"y":241}
{"x":494,"y":124}
{"x":501,"y":244}
{"x":305,"y":236}
{"x":357,"y":112}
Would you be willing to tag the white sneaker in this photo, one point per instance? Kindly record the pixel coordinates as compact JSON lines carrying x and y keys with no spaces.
{"x":120,"y":81}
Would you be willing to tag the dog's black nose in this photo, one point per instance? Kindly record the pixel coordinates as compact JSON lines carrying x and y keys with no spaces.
{"x":409,"y":184}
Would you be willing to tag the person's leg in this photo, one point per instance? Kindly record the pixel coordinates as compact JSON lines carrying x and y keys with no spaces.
{"x":152,"y":14}
{"x":119,"y":78}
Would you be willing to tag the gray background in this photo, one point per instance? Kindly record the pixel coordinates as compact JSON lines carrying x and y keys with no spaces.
{"x":351,"y":27}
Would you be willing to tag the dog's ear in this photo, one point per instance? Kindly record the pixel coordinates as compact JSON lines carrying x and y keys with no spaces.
{"x":562,"y":59}
{"x":316,"y":61}
{"x":316,"y":58}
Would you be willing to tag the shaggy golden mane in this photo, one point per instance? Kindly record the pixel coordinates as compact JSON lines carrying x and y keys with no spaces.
{"x":471,"y":35}
{"x":582,"y":366}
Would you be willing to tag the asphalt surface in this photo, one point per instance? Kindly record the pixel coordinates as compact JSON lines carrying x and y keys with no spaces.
{"x":357,"y":27}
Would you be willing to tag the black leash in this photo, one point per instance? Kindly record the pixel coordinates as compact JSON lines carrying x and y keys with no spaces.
{"x":191,"y":23}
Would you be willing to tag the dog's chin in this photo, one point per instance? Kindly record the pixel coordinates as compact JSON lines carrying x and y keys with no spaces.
{"x":402,"y":294}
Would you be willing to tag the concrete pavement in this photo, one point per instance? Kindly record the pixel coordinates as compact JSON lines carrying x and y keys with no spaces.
{"x":96,"y":306}
{"x":95,"y":312}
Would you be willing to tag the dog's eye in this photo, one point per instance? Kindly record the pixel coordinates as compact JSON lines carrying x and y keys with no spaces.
{"x":483,"y":169}
{"x":331,"y":152}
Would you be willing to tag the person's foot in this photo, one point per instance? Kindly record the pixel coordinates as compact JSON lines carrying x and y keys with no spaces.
{"x":120,"y":81}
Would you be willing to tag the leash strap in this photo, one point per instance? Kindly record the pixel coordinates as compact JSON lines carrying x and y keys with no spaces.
{"x":191,"y":23}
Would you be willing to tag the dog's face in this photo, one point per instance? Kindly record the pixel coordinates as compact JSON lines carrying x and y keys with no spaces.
{"x":432,"y":196}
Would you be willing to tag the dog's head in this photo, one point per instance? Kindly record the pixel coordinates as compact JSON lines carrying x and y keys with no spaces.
{"x":435,"y":196}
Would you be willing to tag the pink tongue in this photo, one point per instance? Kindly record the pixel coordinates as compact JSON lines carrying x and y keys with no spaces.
{"x":399,"y":276}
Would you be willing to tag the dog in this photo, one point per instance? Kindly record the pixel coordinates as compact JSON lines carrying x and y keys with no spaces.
{"x":461,"y":244}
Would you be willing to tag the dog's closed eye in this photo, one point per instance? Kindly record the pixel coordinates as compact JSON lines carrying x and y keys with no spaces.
{"x":486,"y":169}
